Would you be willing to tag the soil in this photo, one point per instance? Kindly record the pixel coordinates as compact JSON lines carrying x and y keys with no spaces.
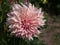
{"x":51,"y":34}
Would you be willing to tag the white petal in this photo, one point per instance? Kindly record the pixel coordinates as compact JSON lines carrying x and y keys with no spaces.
{"x":30,"y":5}
{"x":30,"y":38}
{"x":14,"y":31}
{"x":12,"y":19}
{"x":16,"y":7}
{"x":23,"y":5}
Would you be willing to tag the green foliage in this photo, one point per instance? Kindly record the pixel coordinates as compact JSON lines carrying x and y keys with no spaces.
{"x":19,"y":1}
{"x":36,"y":42}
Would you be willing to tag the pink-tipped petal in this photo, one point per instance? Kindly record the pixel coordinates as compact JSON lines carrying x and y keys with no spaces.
{"x":24,"y":20}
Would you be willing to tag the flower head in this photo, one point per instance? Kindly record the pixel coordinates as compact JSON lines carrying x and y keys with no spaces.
{"x":24,"y":20}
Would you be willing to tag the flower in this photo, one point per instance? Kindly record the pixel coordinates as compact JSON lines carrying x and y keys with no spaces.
{"x":24,"y":20}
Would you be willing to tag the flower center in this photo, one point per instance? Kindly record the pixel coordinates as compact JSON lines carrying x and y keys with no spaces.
{"x":25,"y":25}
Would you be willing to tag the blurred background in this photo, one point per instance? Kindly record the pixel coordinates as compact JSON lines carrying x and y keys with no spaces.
{"x":51,"y":31}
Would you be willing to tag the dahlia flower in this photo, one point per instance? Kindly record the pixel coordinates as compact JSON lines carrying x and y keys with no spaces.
{"x":24,"y":20}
